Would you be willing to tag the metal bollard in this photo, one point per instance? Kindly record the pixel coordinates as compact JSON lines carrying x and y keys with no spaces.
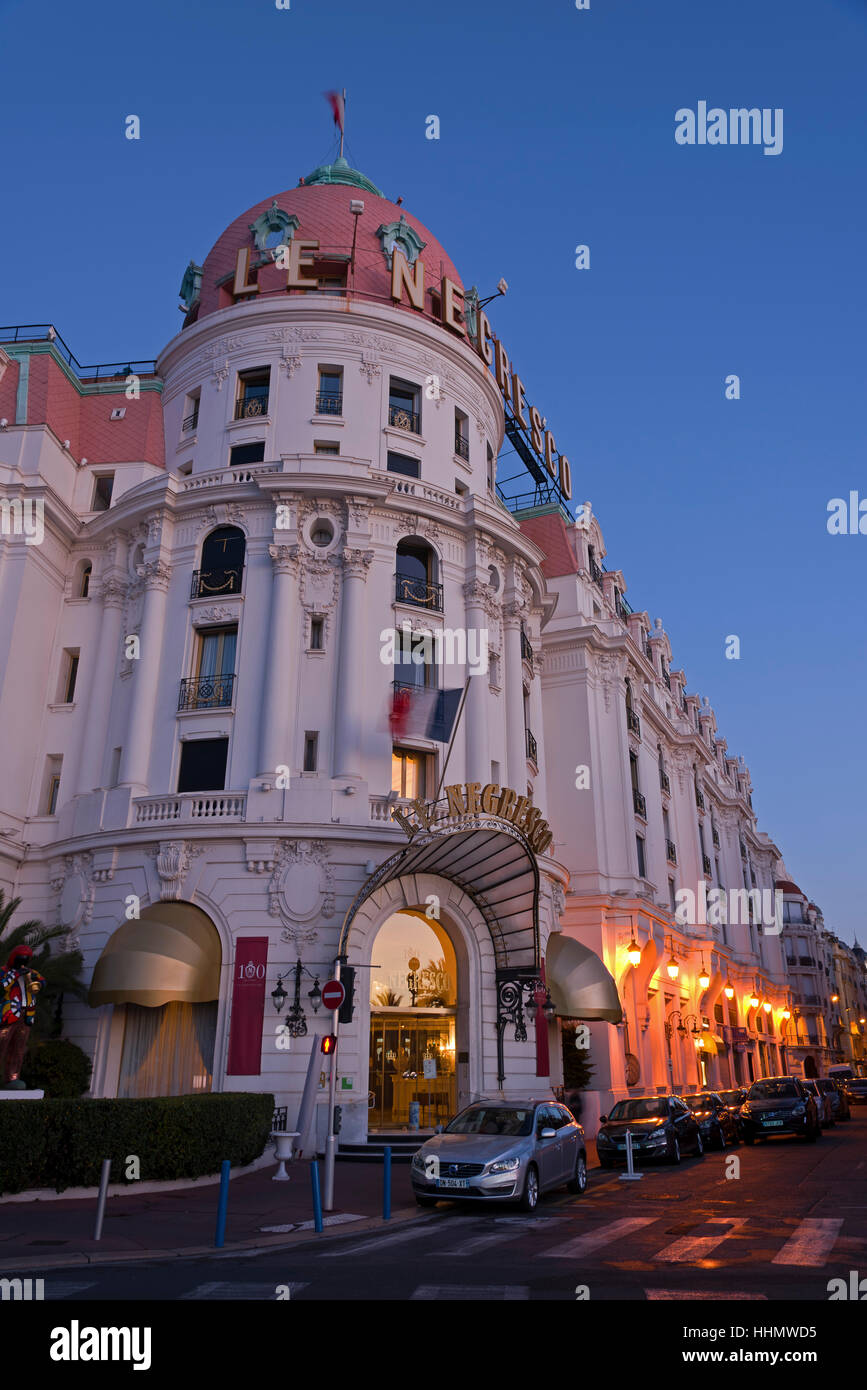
{"x":630,"y":1175}
{"x":317,"y":1198}
{"x":222,"y":1205}
{"x":386,"y":1184}
{"x":103,"y":1193}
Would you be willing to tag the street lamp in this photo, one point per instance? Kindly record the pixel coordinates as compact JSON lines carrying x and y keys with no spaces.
{"x":704,"y":977}
{"x":412,"y":977}
{"x":633,"y":952}
{"x":729,"y":989}
{"x":672,"y":967}
{"x":296,"y":1023}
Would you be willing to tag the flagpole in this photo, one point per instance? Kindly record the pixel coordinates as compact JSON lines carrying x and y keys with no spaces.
{"x":454,"y":731}
{"x":343,"y":126}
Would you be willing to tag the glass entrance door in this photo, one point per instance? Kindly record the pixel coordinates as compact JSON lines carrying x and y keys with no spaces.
{"x":404,"y":1046}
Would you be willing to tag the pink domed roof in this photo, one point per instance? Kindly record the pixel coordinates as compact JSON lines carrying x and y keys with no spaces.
{"x":323,"y":214}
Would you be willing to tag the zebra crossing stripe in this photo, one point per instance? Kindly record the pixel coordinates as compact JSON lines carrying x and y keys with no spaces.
{"x":691,"y":1248}
{"x":811,"y":1243}
{"x":605,"y":1235}
{"x":237,"y":1289}
{"x":408,"y":1232}
{"x":508,"y":1293}
{"x":508,"y":1228}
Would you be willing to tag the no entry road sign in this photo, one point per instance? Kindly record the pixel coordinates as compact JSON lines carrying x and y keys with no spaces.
{"x":333,"y":994}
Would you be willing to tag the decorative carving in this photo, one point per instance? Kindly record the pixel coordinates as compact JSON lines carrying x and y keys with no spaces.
{"x":113,"y":593}
{"x":610,"y":668}
{"x":359,"y":512}
{"x":76,"y":898}
{"x":368,"y":340}
{"x":290,"y":362}
{"x":220,"y":374}
{"x":369,"y":368}
{"x":301,"y":888}
{"x":274,"y":219}
{"x":296,"y":335}
{"x":172,"y":860}
{"x":156,"y":574}
{"x":558,"y":897}
{"x":285,"y":558}
{"x":219,"y":348}
{"x":356,"y":563}
{"x":220,"y":613}
{"x":404,"y":237}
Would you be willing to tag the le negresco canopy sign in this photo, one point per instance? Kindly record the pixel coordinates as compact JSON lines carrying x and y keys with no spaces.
{"x":465,"y":801}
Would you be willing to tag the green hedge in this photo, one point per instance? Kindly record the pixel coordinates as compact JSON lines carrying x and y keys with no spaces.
{"x":61,"y":1143}
{"x":59,"y":1068}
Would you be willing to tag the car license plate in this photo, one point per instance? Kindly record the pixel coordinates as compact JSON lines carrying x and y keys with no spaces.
{"x":452,"y":1182}
{"x":772,"y":1123}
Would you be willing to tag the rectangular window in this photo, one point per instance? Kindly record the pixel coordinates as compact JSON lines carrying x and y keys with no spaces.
{"x":212,"y":684}
{"x":103,"y":487}
{"x":70,"y":676}
{"x":672,"y":892}
{"x":53,"y":769}
{"x":329,"y":396}
{"x":311,"y":750}
{"x":642,"y":863}
{"x":403,"y":406}
{"x":253,"y":392}
{"x":191,"y":412}
{"x":323,"y":446}
{"x":492,"y":472}
{"x":461,"y":488}
{"x":317,"y":634}
{"x":114,"y":772}
{"x":462,"y":435}
{"x":244,"y":454}
{"x":633,"y":773}
{"x":415,"y":659}
{"x":402,"y":463}
{"x":409,"y":773}
{"x":203,"y":765}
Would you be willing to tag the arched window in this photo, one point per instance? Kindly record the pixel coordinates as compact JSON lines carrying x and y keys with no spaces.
{"x":222,"y":567}
{"x":416,"y":575}
{"x":84,"y":575}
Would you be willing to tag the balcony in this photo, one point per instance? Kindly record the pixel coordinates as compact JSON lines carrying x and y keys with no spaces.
{"x":743,"y":852}
{"x":462,"y":447}
{"x":207,"y":583}
{"x":327,"y":403}
{"x":705,"y":865}
{"x":807,"y":960}
{"x":639,"y":804}
{"x":206,"y":692}
{"x":532,"y":752}
{"x":665,"y":782}
{"x":715,"y":837}
{"x":621,"y":607}
{"x":189,"y":806}
{"x":251,"y":405}
{"x":403,"y":419}
{"x":190,"y":422}
{"x":699,"y":799}
{"x":409,"y":589}
{"x":633,"y":723}
{"x":596,"y":573}
{"x":670,"y":852}
{"x":526,"y":649}
{"x":666,"y":677}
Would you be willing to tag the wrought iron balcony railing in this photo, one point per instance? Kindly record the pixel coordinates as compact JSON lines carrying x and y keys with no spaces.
{"x":670,"y":852}
{"x":251,"y":405}
{"x":526,"y":649}
{"x":328,"y":403}
{"x":596,"y":573}
{"x":665,"y":782}
{"x":403,"y":419}
{"x":462,"y":446}
{"x":639,"y":803}
{"x":190,"y":422}
{"x":532,"y":751}
{"x":705,"y":864}
{"x":699,"y":800}
{"x":206,"y":583}
{"x":409,"y":589}
{"x":206,"y":692}
{"x":633,"y":723}
{"x":715,"y":835}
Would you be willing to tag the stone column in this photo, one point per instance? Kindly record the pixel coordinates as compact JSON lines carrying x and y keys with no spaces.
{"x":275,"y":742}
{"x":540,"y":789}
{"x":349,"y":705}
{"x":135,"y":758}
{"x":475,"y":717}
{"x":90,"y":774}
{"x":513,"y":680}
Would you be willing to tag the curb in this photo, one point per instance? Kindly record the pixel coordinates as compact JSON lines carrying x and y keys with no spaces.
{"x":263,"y":1244}
{"x":134,"y":1189}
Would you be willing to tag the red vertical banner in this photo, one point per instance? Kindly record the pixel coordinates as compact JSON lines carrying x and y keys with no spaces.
{"x":248,"y":1006}
{"x":543,"y":1058}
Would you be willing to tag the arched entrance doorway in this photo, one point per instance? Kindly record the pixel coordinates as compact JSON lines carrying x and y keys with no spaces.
{"x":162,"y":973}
{"x":413,"y":1024}
{"x":811,"y":1071}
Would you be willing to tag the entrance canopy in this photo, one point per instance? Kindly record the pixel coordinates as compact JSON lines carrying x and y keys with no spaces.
{"x":580,"y":985}
{"x":171,"y":953}
{"x":494,"y":865}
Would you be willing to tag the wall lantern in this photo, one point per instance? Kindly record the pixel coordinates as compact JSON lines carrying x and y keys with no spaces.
{"x":633,"y":952}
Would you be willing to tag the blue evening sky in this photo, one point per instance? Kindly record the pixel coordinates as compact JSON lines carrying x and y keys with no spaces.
{"x":557,"y":128}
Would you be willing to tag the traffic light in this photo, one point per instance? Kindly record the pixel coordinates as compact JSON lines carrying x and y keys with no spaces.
{"x":329,"y":1042}
{"x":347,"y":979}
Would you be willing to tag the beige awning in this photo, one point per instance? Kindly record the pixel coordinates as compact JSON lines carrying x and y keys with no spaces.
{"x":581,"y":987}
{"x":171,"y":953}
{"x":712,"y":1043}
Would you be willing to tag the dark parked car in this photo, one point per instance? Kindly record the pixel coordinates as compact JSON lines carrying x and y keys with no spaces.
{"x":779,"y":1105}
{"x":834,"y":1092}
{"x":661,"y":1127}
{"x":823,"y":1103}
{"x":733,"y":1100}
{"x":856,"y":1091}
{"x":718,"y":1125}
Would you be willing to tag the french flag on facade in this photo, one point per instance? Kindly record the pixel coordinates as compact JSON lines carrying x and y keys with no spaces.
{"x":422,"y":713}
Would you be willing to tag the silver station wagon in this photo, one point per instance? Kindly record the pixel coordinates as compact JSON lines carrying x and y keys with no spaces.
{"x":502,"y":1151}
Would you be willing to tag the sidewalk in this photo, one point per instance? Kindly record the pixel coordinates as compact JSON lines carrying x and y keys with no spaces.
{"x":172,"y":1225}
